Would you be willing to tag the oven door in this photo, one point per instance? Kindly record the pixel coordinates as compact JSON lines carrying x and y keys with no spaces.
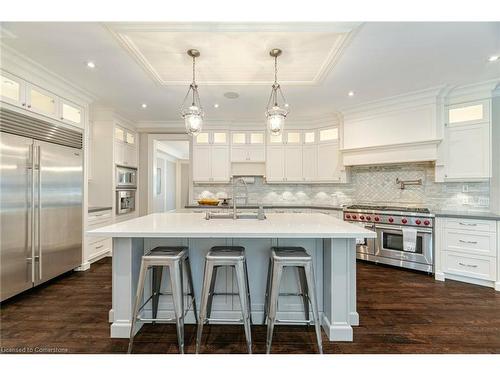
{"x":390,"y":245}
{"x":126,"y":177}
{"x":125,"y":201}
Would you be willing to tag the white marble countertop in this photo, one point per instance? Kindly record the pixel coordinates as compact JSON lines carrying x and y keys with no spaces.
{"x":283,"y":225}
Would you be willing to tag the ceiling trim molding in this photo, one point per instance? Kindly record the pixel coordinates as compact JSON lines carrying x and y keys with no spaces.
{"x":19,"y":64}
{"x":346,"y":31}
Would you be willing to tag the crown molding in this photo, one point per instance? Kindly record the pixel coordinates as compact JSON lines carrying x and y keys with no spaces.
{"x":19,"y":64}
{"x":473,"y":91}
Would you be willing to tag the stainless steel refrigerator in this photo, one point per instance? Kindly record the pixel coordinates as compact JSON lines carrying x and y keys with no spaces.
{"x":41,"y":176}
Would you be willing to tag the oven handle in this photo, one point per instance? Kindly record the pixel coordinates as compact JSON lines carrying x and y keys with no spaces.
{"x":399,"y":227}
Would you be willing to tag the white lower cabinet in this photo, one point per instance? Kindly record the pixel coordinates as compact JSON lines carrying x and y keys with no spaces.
{"x":98,"y":247}
{"x":467,"y":250}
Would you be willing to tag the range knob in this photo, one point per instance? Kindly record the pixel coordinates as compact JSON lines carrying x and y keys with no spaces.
{"x":368,"y":218}
{"x":404,"y":221}
{"x":427,"y":222}
{"x":418,"y":222}
{"x":377,"y":218}
{"x":362,"y":217}
{"x":347,"y":216}
{"x":354,"y":216}
{"x":391,"y":220}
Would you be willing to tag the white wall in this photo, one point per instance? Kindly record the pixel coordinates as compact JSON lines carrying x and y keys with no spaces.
{"x":495,"y":180}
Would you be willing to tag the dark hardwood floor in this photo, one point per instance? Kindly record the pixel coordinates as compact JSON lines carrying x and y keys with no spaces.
{"x":400,"y":312}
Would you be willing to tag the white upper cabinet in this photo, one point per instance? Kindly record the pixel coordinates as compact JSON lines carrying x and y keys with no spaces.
{"x":309,"y":137}
{"x":328,"y":166}
{"x":468,"y":141}
{"x":125,"y":146}
{"x":211,"y":157}
{"x":33,"y":98}
{"x":12,"y":89}
{"x":328,"y":135}
{"x":41,"y":101}
{"x":71,"y":113}
{"x":275,"y":164}
{"x":293,"y":163}
{"x":248,"y":146}
{"x":293,"y":137}
{"x":310,"y":162}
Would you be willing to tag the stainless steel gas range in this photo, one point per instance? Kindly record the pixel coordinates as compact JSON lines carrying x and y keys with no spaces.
{"x":388,"y":248}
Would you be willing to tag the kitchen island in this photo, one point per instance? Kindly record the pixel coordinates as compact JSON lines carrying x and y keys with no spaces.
{"x":330,"y":241}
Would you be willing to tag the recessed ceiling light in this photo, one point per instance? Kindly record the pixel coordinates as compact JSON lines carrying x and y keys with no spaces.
{"x":216,"y":105}
{"x":493,"y":58}
{"x":350,"y":93}
{"x":144,"y":105}
{"x":91,"y":64}
{"x":231,"y":95}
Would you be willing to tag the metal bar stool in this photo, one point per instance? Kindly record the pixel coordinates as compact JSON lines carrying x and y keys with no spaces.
{"x":225,"y":256}
{"x":176,"y":259}
{"x":282,"y":257}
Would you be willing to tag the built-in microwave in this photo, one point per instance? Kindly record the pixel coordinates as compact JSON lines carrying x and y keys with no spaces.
{"x":125,"y":201}
{"x":126,"y":177}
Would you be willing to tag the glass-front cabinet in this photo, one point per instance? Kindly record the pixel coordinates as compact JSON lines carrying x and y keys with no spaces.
{"x":41,"y":101}
{"x":12,"y":89}
{"x":71,"y":113}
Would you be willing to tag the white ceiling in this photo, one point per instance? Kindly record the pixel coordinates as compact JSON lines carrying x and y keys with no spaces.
{"x":379,"y":60}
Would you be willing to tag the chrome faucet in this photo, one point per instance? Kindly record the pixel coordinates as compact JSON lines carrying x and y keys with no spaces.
{"x":235,"y":181}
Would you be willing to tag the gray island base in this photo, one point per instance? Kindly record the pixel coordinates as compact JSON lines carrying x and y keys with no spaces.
{"x":330,"y":241}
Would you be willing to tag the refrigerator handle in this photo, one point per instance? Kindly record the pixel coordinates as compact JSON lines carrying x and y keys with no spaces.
{"x":39,"y":205}
{"x":31,"y":228}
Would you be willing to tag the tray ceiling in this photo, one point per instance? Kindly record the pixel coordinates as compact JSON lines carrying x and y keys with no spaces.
{"x":233,"y":55}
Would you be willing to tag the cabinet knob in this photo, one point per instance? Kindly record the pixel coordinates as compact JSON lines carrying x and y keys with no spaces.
{"x":29,"y":105}
{"x":23,"y":104}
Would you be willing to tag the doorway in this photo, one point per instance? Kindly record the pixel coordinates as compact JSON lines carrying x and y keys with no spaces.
{"x":169,"y":165}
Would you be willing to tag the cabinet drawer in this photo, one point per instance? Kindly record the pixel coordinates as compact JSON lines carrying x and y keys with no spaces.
{"x":479,"y":243}
{"x":478,"y":267}
{"x":99,"y":218}
{"x":471,"y":224}
{"x":99,"y":248}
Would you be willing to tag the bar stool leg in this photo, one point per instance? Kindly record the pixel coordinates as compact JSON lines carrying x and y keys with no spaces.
{"x":268,"y":285}
{"x":137,"y":304}
{"x":245,"y":308}
{"x":187,"y":264}
{"x":211,"y":292}
{"x":304,"y":291}
{"x":248,"y":291}
{"x":273,"y":303}
{"x":176,"y":278}
{"x":155,"y":289}
{"x":203,"y":303}
{"x":314,"y":303}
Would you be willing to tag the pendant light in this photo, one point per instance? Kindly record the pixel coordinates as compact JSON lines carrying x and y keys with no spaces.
{"x":192,"y":114}
{"x":275,"y":114}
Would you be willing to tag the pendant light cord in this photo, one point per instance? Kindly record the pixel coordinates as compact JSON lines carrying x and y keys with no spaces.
{"x":194,"y":78}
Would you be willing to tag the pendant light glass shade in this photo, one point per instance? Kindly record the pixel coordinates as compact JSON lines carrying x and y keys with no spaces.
{"x":275,"y":113}
{"x":192,"y":114}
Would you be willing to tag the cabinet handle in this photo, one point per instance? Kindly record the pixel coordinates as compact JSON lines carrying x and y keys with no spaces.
{"x":467,"y":224}
{"x":29,"y":105}
{"x":472,"y":242}
{"x":98,"y":247}
{"x":467,"y":265}
{"x":23,"y":104}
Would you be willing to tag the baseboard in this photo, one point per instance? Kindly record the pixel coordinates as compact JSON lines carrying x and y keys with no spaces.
{"x":471,"y":280}
{"x":336,"y":332}
{"x":497,"y":286}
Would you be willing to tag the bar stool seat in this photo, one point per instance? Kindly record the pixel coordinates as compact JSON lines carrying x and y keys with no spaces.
{"x":298,"y":257}
{"x":176,"y":259}
{"x":225,"y":256}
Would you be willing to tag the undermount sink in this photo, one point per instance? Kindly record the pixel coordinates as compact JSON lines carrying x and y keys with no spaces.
{"x":254,"y":216}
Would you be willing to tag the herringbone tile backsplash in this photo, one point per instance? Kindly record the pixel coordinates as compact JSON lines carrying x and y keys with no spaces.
{"x":368,"y":184}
